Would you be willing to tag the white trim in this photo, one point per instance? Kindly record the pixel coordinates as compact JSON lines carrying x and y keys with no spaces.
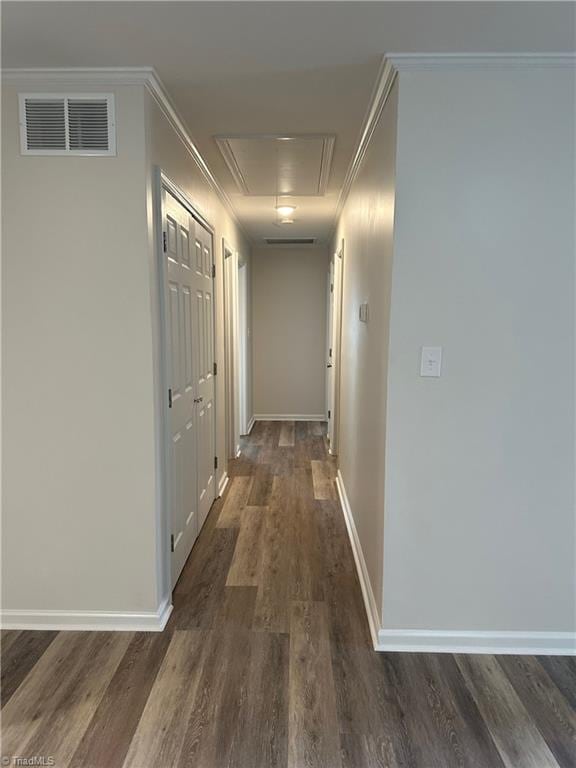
{"x":222,"y":484}
{"x":409,"y":62}
{"x":90,"y":621}
{"x":477,"y":641}
{"x":289,"y":417}
{"x":394,"y":63}
{"x":370,"y":604}
{"x":445,"y":641}
{"x":119,"y":76}
{"x":328,"y":141}
{"x":249,"y":427}
{"x":382,"y":87}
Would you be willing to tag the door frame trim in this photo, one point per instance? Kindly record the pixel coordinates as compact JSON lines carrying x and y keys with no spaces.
{"x":230,"y":259}
{"x":338,"y":260}
{"x":161,"y":182}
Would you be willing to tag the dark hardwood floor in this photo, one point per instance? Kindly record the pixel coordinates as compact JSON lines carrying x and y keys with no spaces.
{"x":267,"y":662}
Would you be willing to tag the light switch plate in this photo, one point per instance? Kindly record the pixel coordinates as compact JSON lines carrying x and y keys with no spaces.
{"x":431,"y":361}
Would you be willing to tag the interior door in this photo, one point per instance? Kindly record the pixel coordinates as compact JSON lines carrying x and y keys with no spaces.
{"x":179,"y":236}
{"x":330,"y":355}
{"x":204,"y":369}
{"x":189,"y":324}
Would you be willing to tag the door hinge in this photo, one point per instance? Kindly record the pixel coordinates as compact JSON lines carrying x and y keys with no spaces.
{"x":329,"y":414}
{"x":170,"y":398}
{"x":215,"y":369}
{"x":171,"y":542}
{"x":330,"y":352}
{"x":331,"y":287}
{"x":164,"y":241}
{"x":213,"y":270}
{"x":215,"y":462}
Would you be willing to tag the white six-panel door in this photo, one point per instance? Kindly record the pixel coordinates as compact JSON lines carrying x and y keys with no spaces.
{"x":189,"y":330}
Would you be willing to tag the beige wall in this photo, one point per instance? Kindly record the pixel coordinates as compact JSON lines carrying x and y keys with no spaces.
{"x":165,"y":150}
{"x":289,"y":288}
{"x":78,"y":402}
{"x":480,"y":519}
{"x":82,"y":525}
{"x":366,"y":226}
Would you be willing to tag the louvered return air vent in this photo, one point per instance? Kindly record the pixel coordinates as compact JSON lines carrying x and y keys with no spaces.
{"x":67,"y":124}
{"x":290,"y":240}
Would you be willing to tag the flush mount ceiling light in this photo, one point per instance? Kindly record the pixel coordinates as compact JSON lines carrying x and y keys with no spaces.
{"x":285,"y":210}
{"x":286,"y":221}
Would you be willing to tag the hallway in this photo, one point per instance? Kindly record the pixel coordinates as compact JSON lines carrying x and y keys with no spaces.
{"x":267,"y":659}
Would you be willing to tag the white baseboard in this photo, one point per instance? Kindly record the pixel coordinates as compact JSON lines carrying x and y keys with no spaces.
{"x":367,"y":593}
{"x":249,"y":427}
{"x":289,"y":417}
{"x":445,"y":641}
{"x":477,"y":641}
{"x":90,"y":621}
{"x":223,"y":483}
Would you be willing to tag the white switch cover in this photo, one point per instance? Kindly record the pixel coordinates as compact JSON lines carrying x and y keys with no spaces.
{"x":431,"y":361}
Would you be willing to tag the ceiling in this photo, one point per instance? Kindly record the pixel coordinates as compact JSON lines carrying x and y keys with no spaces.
{"x":273,"y":68}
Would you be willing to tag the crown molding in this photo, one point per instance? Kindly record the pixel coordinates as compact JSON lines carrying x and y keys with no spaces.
{"x":381,"y":91}
{"x":119,"y":76}
{"x":410,"y":62}
{"x":394,"y":63}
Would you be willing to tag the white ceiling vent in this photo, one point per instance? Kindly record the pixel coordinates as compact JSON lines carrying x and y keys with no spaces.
{"x":67,"y":124}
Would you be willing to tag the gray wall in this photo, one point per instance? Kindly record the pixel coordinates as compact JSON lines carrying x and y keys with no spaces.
{"x":289,"y":287}
{"x":479,"y":531}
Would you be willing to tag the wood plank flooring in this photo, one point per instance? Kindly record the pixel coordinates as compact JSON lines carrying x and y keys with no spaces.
{"x":266,"y":661}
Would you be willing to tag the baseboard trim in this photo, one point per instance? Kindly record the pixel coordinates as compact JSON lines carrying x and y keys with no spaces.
{"x":370,"y":604}
{"x":223,"y":483}
{"x":250,"y":425}
{"x":440,"y":641}
{"x":289,"y":417}
{"x":445,"y":641}
{"x":89,"y":621}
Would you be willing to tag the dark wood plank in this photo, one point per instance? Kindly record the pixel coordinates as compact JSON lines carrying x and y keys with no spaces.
{"x":108,"y":737}
{"x":49,"y":713}
{"x":197,"y":601}
{"x":261,"y":740}
{"x":160,"y":734}
{"x":313,"y":721}
{"x":20,"y":652}
{"x":553,"y":716}
{"x":272,"y":602}
{"x":562,"y":671}
{"x":517,"y":738}
{"x":212,"y":733}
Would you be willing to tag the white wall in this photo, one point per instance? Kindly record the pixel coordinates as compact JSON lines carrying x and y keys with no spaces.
{"x":366,"y":225}
{"x":289,"y":330}
{"x":78,"y":431}
{"x":479,"y":531}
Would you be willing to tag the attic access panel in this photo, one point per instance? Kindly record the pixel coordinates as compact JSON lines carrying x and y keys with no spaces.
{"x":276,"y":164}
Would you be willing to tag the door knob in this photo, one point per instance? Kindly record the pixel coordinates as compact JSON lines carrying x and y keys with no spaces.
{"x":198,"y":399}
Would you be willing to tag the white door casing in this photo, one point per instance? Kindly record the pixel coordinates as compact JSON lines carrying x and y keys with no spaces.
{"x":335,"y":345}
